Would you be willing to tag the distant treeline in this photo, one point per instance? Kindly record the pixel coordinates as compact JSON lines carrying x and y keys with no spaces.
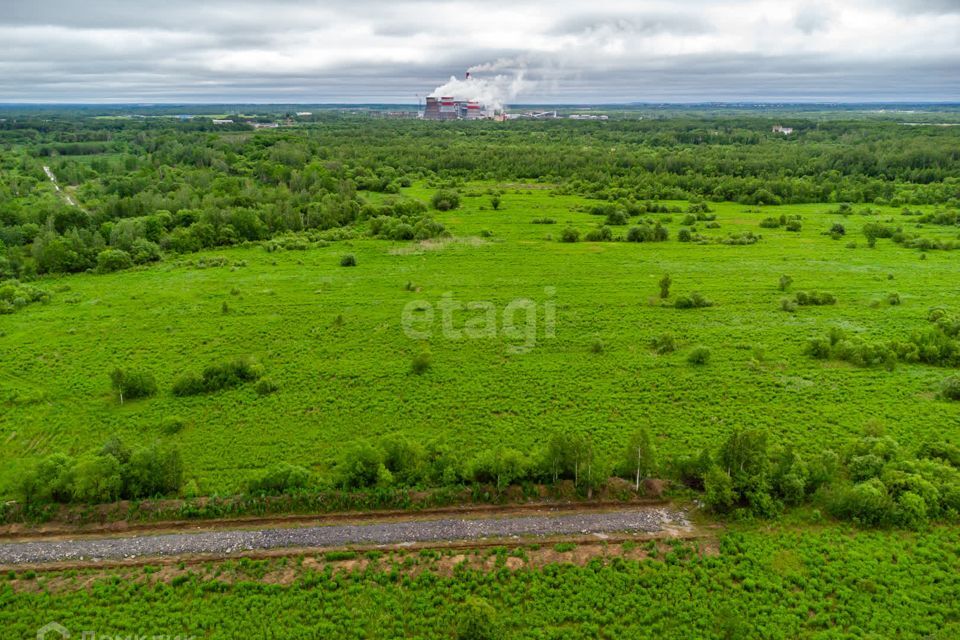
{"x":143,"y":186}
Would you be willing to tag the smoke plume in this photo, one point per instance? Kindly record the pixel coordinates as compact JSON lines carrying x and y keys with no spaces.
{"x":493,"y":92}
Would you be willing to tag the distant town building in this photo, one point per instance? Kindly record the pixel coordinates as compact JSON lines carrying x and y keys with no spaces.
{"x":304,"y":114}
{"x":216,"y":121}
{"x":784,"y":130}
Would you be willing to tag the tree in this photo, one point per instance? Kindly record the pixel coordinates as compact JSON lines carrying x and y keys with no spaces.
{"x":495,"y":202}
{"x":132,"y":384}
{"x":719,"y":495}
{"x":665,"y":283}
{"x":96,"y":479}
{"x":640,"y":456}
{"x":152,"y":471}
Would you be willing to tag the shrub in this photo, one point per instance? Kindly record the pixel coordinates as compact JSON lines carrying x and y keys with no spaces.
{"x":665,"y":283}
{"x":110,"y":260}
{"x":495,"y":202}
{"x":786,"y":304}
{"x":684,"y":235}
{"x":600,"y":234}
{"x":445,"y":200}
{"x":770,"y":223}
{"x":718,"y":496}
{"x":597,"y":346}
{"x":350,"y":260}
{"x":477,"y":621}
{"x":837,"y":229}
{"x":216,"y":377}
{"x":543,"y":221}
{"x":785,"y":282}
{"x":893,"y":299}
{"x":144,"y":251}
{"x":793,"y":225}
{"x":362,"y":466}
{"x":280,"y":478}
{"x":152,"y":471}
{"x":950,"y":389}
{"x":648,"y":233}
{"x":699,"y":356}
{"x":664,"y":344}
{"x":421,"y":363}
{"x":265,"y":387}
{"x":569,"y":235}
{"x":96,"y":479}
{"x":618,"y":218}
{"x":693,"y":301}
{"x":814,"y":298}
{"x":132,"y":384}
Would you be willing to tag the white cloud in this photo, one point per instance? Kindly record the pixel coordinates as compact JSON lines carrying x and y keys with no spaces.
{"x":297,"y":50}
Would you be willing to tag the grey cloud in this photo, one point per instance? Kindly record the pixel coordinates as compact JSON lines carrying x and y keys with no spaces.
{"x":630,"y":24}
{"x":180,"y":51}
{"x":936,"y":7}
{"x":812,"y":18}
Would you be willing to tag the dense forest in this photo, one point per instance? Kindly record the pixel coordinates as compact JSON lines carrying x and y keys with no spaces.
{"x":138,"y":188}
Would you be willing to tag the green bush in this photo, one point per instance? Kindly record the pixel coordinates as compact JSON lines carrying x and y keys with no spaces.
{"x":951,"y":388}
{"x":648,"y":233}
{"x":421,"y":362}
{"x":280,"y":478}
{"x":699,"y":356}
{"x":216,"y":377}
{"x":569,"y":235}
{"x":132,"y":384}
{"x":477,"y":621}
{"x":814,"y":298}
{"x":600,"y":234}
{"x":718,"y":495}
{"x":693,"y":301}
{"x":617,"y":218}
{"x":362,"y":466}
{"x":350,"y":260}
{"x":664,"y":344}
{"x":110,"y":260}
{"x":265,"y":387}
{"x":445,"y":200}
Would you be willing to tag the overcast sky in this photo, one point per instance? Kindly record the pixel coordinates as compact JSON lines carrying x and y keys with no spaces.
{"x":555,"y":51}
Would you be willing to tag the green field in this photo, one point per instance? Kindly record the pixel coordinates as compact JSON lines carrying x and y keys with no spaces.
{"x":823,"y":582}
{"x":331,"y":338}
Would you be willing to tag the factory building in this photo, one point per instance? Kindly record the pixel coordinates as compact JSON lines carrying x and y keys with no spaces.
{"x":449,"y":108}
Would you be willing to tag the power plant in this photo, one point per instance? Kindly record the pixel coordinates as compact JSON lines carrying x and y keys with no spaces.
{"x":484,"y":100}
{"x":449,"y":108}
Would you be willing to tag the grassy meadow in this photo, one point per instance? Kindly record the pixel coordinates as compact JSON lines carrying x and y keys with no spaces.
{"x":332,"y":339}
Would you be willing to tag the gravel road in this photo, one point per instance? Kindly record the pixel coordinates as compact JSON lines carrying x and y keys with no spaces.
{"x":637,"y":520}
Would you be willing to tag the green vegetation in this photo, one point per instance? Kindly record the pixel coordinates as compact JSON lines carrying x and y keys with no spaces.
{"x":779,"y":583}
{"x":195,"y":251}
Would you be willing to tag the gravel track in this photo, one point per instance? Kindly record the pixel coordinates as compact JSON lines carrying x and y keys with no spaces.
{"x":636,"y":520}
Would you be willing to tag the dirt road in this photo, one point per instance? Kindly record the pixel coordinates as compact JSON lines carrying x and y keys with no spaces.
{"x":643,"y":519}
{"x":56,"y":186}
